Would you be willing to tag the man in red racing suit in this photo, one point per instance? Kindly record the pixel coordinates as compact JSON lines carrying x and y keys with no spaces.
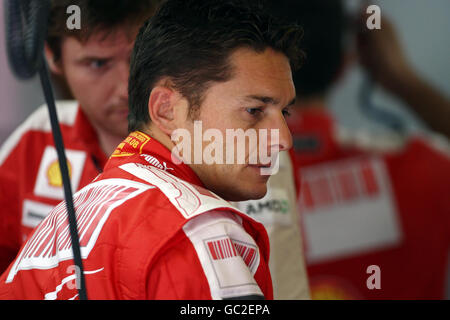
{"x":145,"y":229}
{"x":372,"y":202}
{"x":31,"y":184}
{"x":94,"y":63}
{"x":153,"y":227}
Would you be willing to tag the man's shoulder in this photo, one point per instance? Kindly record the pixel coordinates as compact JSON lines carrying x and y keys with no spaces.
{"x":147,"y":198}
{"x":167,"y":198}
{"x":188,"y":199}
{"x":428,"y":156}
{"x":422,"y":157}
{"x":433,"y":144}
{"x":36,"y":124}
{"x":391,"y":142}
{"x":370,"y":142}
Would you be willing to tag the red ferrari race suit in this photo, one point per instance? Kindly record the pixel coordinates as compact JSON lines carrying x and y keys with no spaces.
{"x":148,"y":230}
{"x":30,"y":181}
{"x":375,"y":212}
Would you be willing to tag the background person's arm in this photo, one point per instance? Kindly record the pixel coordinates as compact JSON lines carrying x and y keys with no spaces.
{"x":382,"y":56}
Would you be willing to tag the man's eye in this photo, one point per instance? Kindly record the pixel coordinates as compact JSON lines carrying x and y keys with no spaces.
{"x":98,"y":63}
{"x":286,"y":113}
{"x":254,"y":111}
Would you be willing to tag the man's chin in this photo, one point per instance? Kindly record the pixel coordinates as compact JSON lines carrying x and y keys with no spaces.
{"x":245,"y":195}
{"x":247,"y":185}
{"x":119,"y":130}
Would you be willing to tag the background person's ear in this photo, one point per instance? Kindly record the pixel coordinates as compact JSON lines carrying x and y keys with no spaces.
{"x":54,"y":66}
{"x":164,"y":109}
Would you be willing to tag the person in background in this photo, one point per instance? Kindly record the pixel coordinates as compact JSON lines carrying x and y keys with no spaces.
{"x":375,"y":209}
{"x":384,"y":59}
{"x":94,"y":62}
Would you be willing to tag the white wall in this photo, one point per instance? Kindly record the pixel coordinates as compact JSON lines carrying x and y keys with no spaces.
{"x":17,"y":98}
{"x":424,"y":30}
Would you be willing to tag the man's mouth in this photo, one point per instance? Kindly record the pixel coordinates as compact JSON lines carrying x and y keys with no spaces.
{"x":261,"y":165}
{"x":122,"y":111}
{"x":261,"y":168}
{"x":266,"y":169}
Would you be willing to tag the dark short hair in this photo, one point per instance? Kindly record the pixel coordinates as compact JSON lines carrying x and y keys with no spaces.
{"x":96,"y":16}
{"x":189,"y":42}
{"x":324,"y":24}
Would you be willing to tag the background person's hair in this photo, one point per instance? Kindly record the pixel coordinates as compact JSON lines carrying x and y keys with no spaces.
{"x":189,"y":43}
{"x":96,"y":16}
{"x":324,"y":24}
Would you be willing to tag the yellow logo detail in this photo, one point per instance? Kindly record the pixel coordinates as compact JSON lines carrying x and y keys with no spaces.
{"x":54,"y":174}
{"x":330,"y":292}
{"x":332,"y":288}
{"x":134,"y":143}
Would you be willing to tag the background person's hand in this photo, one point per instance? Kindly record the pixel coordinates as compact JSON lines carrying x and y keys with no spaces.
{"x":380,"y":53}
{"x":383,"y":58}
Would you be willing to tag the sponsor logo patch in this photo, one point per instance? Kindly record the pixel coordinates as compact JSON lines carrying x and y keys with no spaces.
{"x":333,"y":288}
{"x":34,"y":212}
{"x":230,"y":259}
{"x":54,"y":174}
{"x":135,"y":141}
{"x":49,"y":180}
{"x":227,"y":248}
{"x":221,"y":249}
{"x":273,"y":209}
{"x":155,"y":162}
{"x":347,"y":208}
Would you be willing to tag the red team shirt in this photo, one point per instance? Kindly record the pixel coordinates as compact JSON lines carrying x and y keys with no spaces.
{"x":148,"y":230}
{"x":31,"y":184}
{"x":365,"y":204}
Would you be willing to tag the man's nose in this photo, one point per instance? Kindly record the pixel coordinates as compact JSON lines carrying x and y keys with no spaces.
{"x":284,"y":137}
{"x":123,"y":74}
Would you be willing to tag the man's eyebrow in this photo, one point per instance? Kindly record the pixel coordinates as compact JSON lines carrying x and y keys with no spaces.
{"x":94,"y":57}
{"x":292,"y":102}
{"x":263,"y":99}
{"x":269,"y":100}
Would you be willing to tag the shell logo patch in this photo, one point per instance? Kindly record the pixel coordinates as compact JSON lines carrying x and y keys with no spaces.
{"x":54,"y":174}
{"x":49,"y":180}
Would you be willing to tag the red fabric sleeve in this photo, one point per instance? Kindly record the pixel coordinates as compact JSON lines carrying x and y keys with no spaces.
{"x":10,"y":241}
{"x":178,"y":274}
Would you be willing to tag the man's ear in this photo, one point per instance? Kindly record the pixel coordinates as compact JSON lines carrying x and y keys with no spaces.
{"x":162,"y":108}
{"x":54,"y":66}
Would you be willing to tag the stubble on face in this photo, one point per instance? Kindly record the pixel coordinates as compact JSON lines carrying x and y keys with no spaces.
{"x":97,"y":71}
